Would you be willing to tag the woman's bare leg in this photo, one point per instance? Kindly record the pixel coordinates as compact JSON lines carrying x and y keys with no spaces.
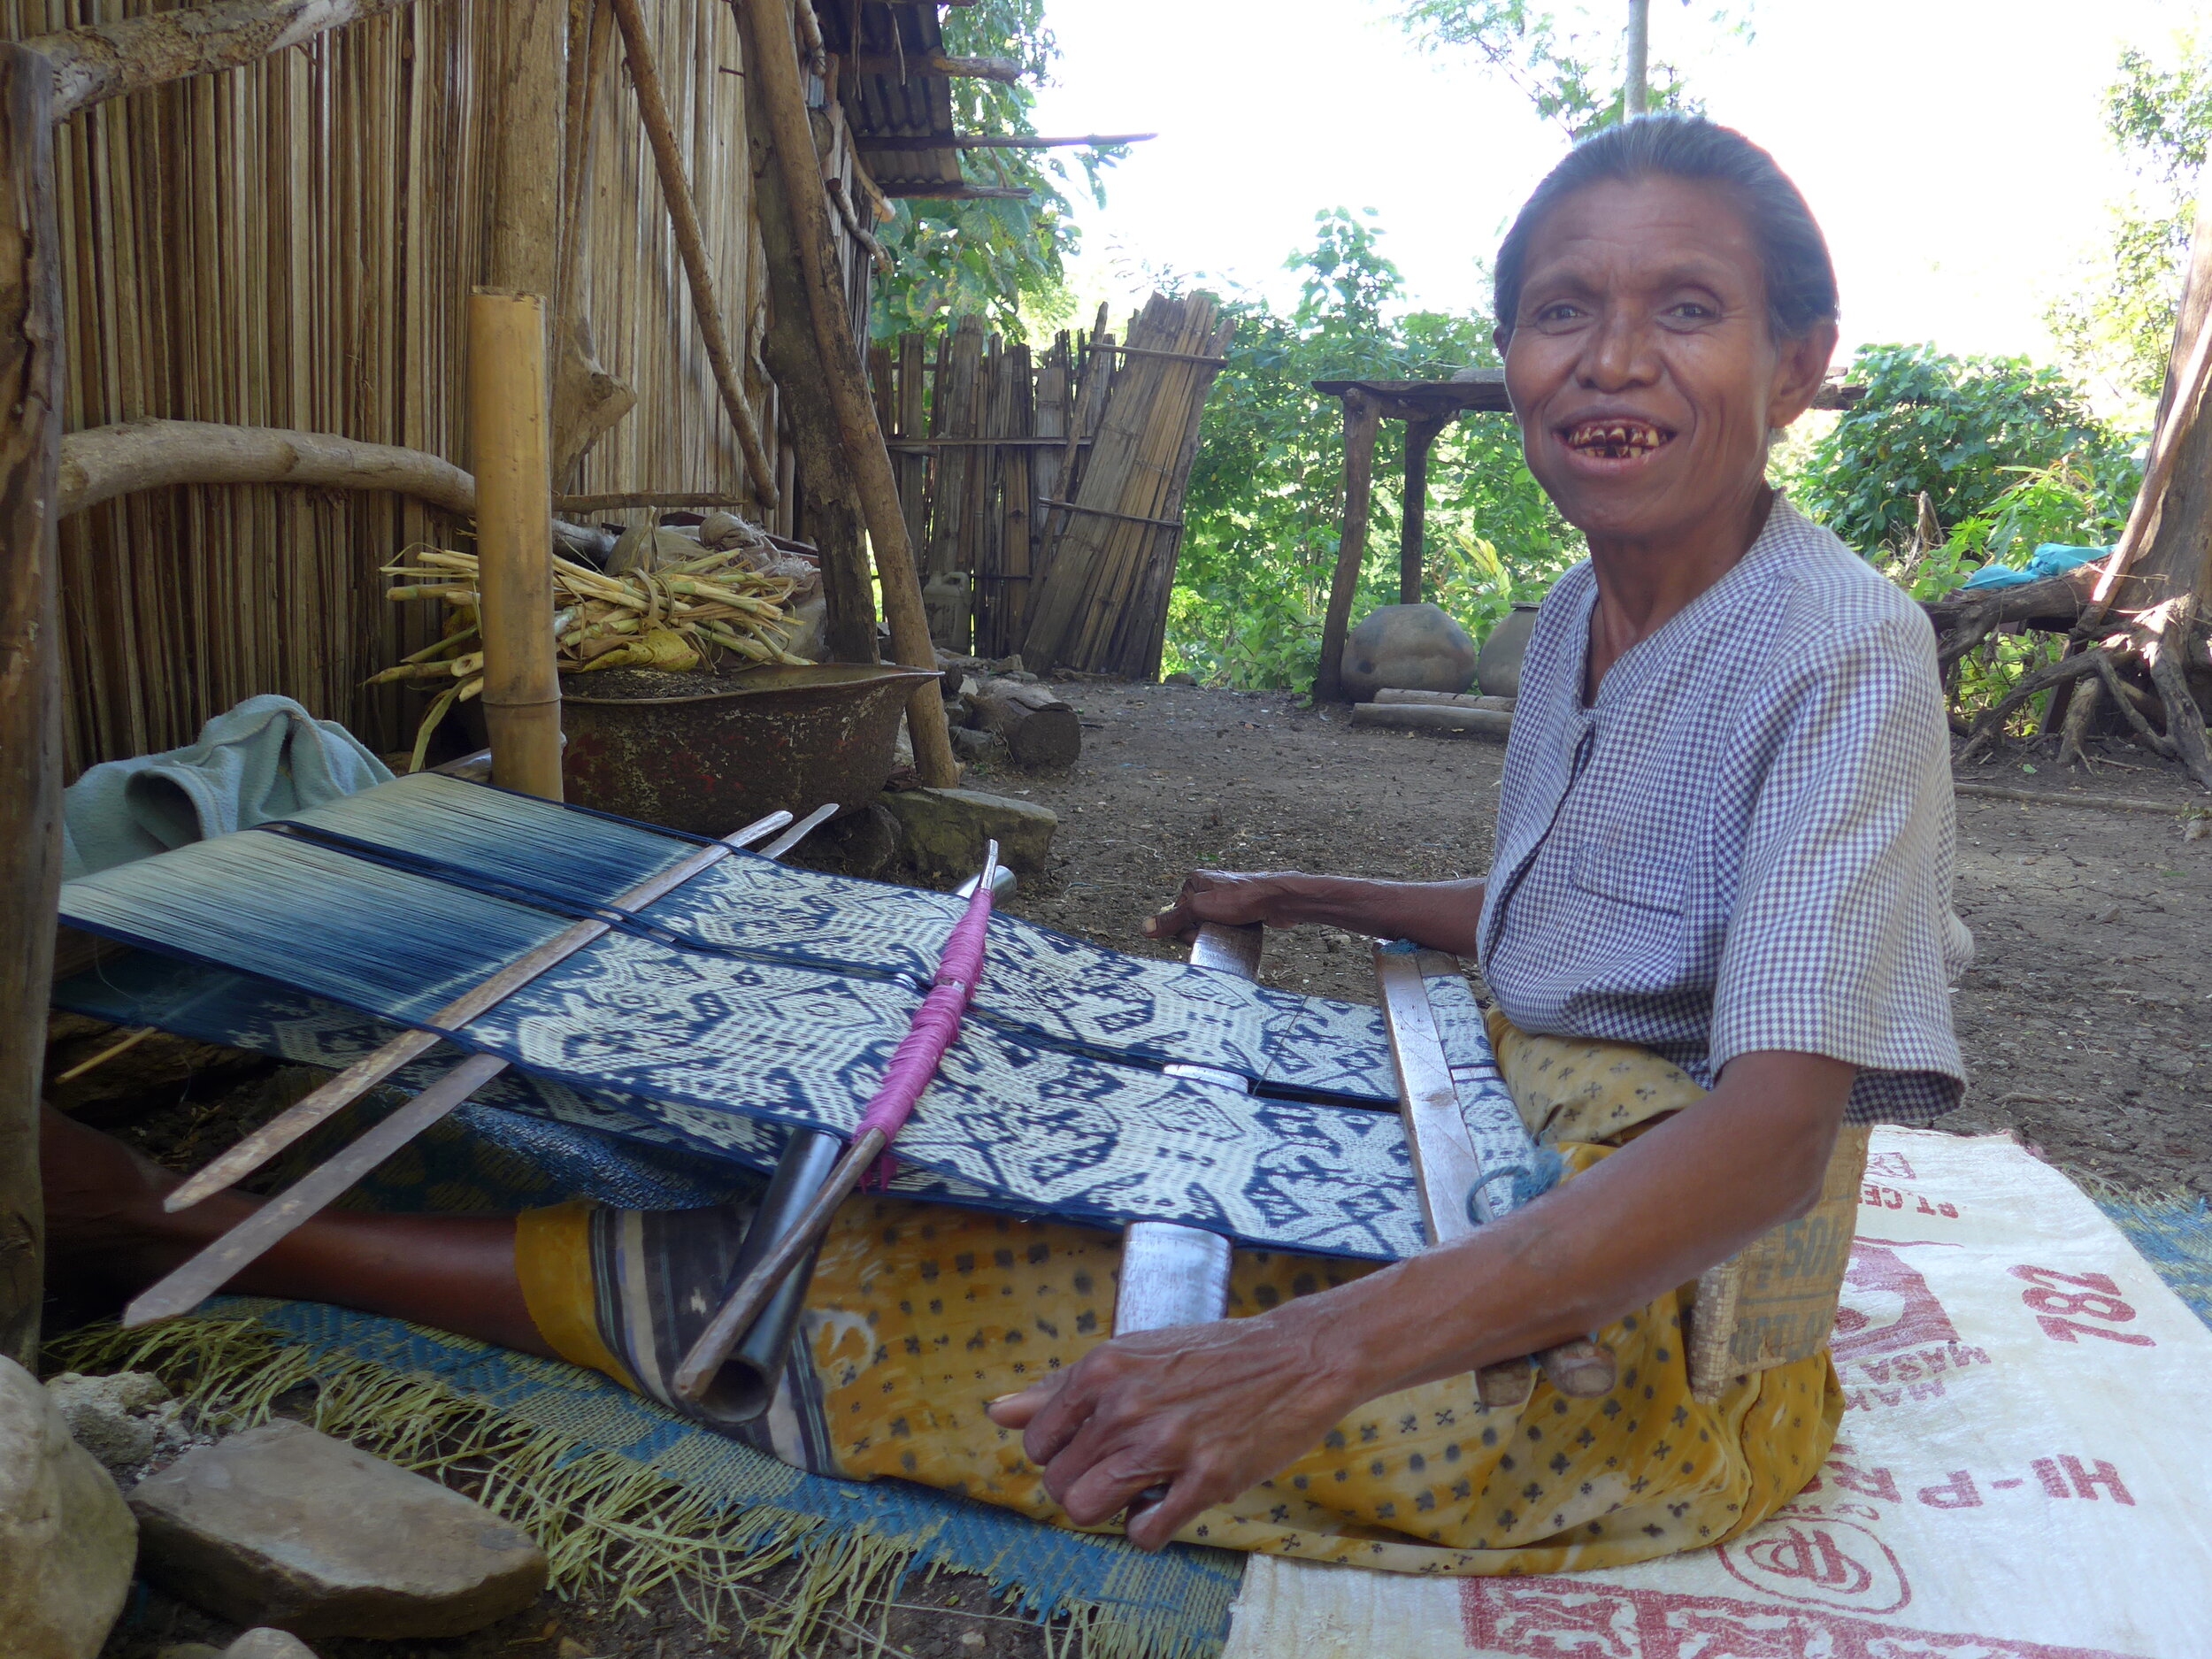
{"x":106,"y":1226}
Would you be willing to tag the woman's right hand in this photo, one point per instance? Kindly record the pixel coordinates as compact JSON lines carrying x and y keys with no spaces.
{"x":1233,"y":898}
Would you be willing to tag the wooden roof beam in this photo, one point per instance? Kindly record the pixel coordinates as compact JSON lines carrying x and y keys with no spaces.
{"x":983,"y":141}
{"x":925,"y":188}
{"x":936,"y":64}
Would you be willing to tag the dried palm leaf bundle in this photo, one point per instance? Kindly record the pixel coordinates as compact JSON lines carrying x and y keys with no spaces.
{"x":682,"y":614}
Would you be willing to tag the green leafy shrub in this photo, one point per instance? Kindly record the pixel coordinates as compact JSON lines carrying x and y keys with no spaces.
{"x":1261,"y":516}
{"x":1963,"y":429}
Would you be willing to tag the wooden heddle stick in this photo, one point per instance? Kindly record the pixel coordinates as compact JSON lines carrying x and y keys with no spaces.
{"x":1463,"y":1178}
{"x":220,"y":1262}
{"x":912,"y":1065}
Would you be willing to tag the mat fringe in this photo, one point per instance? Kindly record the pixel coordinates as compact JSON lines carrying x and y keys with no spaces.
{"x":614,"y":1532}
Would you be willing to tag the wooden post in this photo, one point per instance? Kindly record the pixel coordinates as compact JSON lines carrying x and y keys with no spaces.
{"x":833,"y":519}
{"x":30,"y":714}
{"x":771,"y":60}
{"x":530,"y":104}
{"x":1413,"y":522}
{"x":1362,"y":419}
{"x":510,"y":417}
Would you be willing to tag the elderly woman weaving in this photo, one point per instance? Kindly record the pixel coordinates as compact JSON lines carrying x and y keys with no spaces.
{"x":1724,"y":833}
{"x":1718,"y":928}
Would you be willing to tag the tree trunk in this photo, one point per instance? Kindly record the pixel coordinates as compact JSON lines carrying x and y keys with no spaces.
{"x":1040,"y":730}
{"x":833,"y":521}
{"x":30,"y":713}
{"x":1363,"y":421}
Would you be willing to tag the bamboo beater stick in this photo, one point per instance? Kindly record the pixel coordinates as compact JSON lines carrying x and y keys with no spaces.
{"x":511,"y":417}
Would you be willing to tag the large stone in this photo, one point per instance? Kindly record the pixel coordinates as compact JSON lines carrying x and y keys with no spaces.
{"x":945,"y":830}
{"x":66,"y":1539}
{"x":268,"y":1644}
{"x":283,"y":1526}
{"x":1413,"y":648}
{"x":1498,"y":669}
{"x":126,"y":1420}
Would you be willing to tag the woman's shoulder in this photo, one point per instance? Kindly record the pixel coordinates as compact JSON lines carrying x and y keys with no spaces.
{"x":1828,"y":597}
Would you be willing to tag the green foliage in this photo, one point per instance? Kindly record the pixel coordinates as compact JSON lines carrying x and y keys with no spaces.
{"x":1567,"y":60}
{"x":1266,"y":487}
{"x":2117,"y":316}
{"x":1963,"y":429}
{"x":1000,"y":260}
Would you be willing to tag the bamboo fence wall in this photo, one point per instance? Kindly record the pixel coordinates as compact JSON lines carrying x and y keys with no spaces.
{"x":292,"y":244}
{"x":1054,"y":481}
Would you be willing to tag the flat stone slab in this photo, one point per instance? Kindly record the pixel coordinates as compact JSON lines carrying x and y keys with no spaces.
{"x":946,"y":829}
{"x":282,"y":1526}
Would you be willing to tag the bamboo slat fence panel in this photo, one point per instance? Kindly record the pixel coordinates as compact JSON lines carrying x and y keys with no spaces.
{"x":292,"y":244}
{"x":1053,"y":479}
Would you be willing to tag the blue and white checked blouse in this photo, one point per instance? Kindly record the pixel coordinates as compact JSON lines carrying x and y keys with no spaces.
{"x":1747,"y":843}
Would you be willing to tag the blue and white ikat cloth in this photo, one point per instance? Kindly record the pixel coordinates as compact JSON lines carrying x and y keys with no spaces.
{"x":760,"y":998}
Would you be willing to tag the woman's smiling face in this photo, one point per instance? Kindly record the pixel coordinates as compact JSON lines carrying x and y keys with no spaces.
{"x":1643,"y":366}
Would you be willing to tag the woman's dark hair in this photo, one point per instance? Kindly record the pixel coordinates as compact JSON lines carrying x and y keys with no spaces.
{"x":1801,"y":280}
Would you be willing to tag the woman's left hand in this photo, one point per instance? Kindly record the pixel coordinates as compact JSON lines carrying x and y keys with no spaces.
{"x":1207,"y":1410}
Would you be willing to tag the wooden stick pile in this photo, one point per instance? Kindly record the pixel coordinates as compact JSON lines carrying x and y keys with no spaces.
{"x":1102,"y":587}
{"x":674,"y":618}
{"x":1012,"y":466}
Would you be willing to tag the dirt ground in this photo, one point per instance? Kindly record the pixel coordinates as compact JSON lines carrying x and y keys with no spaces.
{"x":2083,"y":1018}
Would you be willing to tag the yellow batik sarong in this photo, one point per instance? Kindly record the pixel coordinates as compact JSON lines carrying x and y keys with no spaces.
{"x":920,"y":1313}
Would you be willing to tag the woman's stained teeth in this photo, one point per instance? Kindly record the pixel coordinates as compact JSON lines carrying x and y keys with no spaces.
{"x":1616,"y":440}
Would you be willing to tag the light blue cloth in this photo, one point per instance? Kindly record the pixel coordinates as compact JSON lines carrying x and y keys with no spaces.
{"x":2050,"y":558}
{"x":267,"y":759}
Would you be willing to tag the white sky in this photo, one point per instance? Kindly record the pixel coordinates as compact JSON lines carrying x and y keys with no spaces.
{"x":1952,"y":149}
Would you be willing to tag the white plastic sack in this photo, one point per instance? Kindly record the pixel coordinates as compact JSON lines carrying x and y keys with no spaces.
{"x":2020,"y":1474}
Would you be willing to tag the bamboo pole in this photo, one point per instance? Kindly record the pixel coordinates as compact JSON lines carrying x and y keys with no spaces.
{"x":683,"y":213}
{"x":771,"y":57}
{"x":30,"y":720}
{"x":510,"y":415}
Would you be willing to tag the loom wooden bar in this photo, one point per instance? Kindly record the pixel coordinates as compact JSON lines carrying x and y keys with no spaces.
{"x":510,"y":419}
{"x":683,"y":212}
{"x":1445,"y":1168}
{"x":771,"y":59}
{"x":1448,"y":1168}
{"x":365,"y":1074}
{"x":1362,"y":419}
{"x":30,"y":729}
{"x":1434,"y":716}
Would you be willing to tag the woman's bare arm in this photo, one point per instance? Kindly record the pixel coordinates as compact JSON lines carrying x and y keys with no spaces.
{"x":1213,"y":1410}
{"x":1438,"y":915}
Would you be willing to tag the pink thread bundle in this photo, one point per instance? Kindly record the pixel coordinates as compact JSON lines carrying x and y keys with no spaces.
{"x":935,"y":1024}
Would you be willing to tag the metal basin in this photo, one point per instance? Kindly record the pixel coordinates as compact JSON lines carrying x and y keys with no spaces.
{"x":792,"y":738}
